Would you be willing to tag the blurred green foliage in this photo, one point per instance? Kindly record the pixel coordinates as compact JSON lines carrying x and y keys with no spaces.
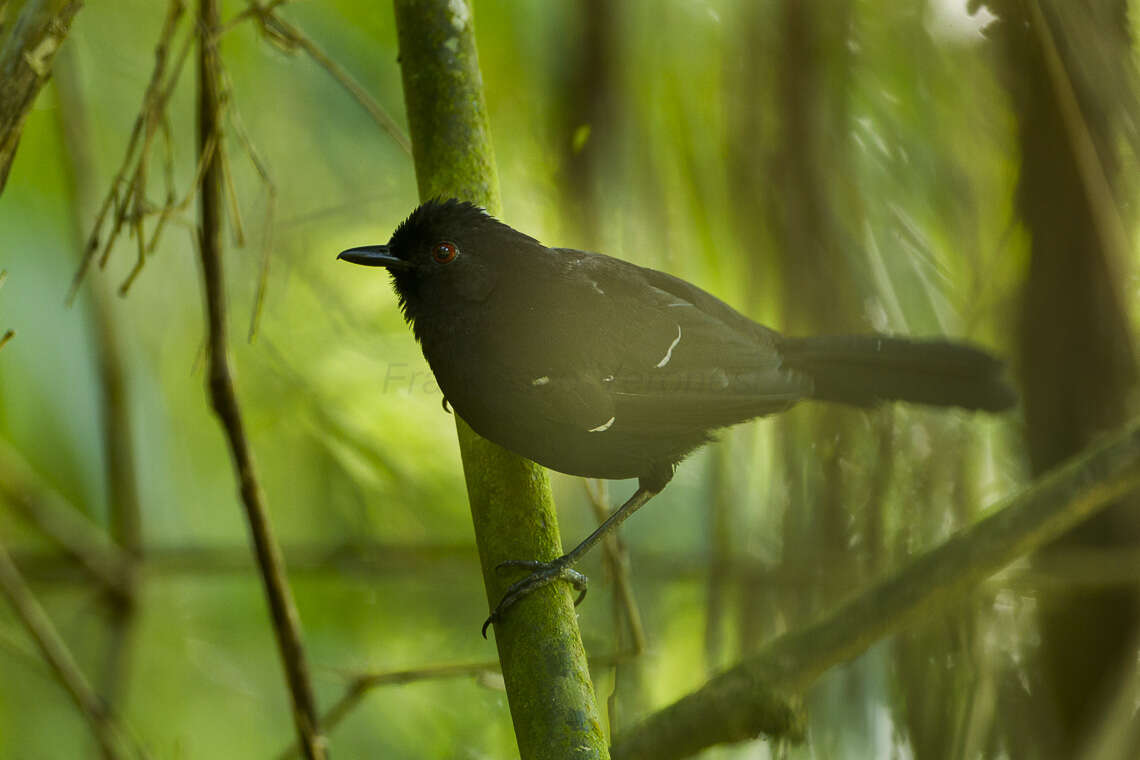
{"x":359,"y":463}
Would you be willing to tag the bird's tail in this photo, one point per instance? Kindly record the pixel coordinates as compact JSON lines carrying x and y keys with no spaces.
{"x":865,"y":369}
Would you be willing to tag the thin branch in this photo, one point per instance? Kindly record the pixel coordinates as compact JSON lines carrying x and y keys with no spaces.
{"x":172,"y":208}
{"x":55,"y":652}
{"x":749,"y":699}
{"x":26,"y":55}
{"x":289,"y":37}
{"x":626,"y":698}
{"x":236,"y":221}
{"x":154,"y":103}
{"x":8,"y":334}
{"x":1097,"y":189}
{"x":719,"y":516}
{"x":253,"y":10}
{"x":286,"y":623}
{"x":237,"y":125}
{"x":168,"y":212}
{"x":126,"y":201}
{"x":616,"y":558}
{"x":362,"y":683}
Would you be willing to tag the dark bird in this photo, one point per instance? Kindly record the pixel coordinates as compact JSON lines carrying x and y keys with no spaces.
{"x":593,"y":366}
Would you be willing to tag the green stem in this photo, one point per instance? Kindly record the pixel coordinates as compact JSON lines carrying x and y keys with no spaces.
{"x":544,"y":665}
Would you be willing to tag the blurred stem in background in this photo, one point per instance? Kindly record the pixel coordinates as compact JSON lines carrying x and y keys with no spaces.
{"x":793,"y":205}
{"x":591,"y":87}
{"x":1070,"y":73}
{"x":822,"y":293}
{"x":758,"y":695}
{"x":109,"y":735}
{"x":591,"y":97}
{"x":123,"y":510}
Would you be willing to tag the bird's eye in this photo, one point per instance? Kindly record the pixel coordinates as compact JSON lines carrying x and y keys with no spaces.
{"x":444,"y":253}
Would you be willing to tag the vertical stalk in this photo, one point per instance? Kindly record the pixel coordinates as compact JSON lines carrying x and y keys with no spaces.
{"x":544,"y":665}
{"x":114,"y":385}
{"x":286,"y":621}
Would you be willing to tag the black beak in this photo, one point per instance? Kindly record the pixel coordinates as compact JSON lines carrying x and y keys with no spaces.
{"x":374,"y":256}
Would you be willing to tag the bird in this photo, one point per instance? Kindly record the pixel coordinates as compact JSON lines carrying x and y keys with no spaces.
{"x":594,"y":366}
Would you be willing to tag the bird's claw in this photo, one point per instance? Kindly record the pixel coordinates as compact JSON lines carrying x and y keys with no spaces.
{"x":542,"y":574}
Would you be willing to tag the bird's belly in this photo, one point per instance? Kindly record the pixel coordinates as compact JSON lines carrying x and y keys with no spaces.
{"x":611,"y":455}
{"x":507,"y":415}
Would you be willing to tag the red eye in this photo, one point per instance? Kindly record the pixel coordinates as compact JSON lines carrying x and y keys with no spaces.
{"x":444,"y":253}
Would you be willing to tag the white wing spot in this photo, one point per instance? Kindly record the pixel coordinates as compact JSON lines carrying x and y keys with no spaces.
{"x":597,"y":287}
{"x":604,"y":426}
{"x":669,"y":353}
{"x":540,"y":380}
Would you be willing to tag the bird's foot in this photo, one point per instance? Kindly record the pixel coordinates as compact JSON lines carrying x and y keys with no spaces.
{"x":542,"y":574}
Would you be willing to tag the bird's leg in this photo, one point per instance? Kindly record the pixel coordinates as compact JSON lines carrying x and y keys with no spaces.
{"x":544,"y":573}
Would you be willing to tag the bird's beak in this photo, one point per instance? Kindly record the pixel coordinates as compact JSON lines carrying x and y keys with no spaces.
{"x":374,"y":256}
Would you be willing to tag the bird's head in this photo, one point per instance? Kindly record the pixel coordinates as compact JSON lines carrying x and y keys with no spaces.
{"x":445,"y":252}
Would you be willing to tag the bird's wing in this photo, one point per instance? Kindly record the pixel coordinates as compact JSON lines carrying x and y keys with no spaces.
{"x":622,"y":347}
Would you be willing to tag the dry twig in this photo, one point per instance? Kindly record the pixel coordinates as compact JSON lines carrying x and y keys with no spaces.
{"x":8,"y":334}
{"x":616,"y":558}
{"x":362,"y":683}
{"x":237,"y":126}
{"x":127,"y":198}
{"x":26,"y":54}
{"x":365,"y":682}
{"x":288,"y":37}
{"x":286,"y":623}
